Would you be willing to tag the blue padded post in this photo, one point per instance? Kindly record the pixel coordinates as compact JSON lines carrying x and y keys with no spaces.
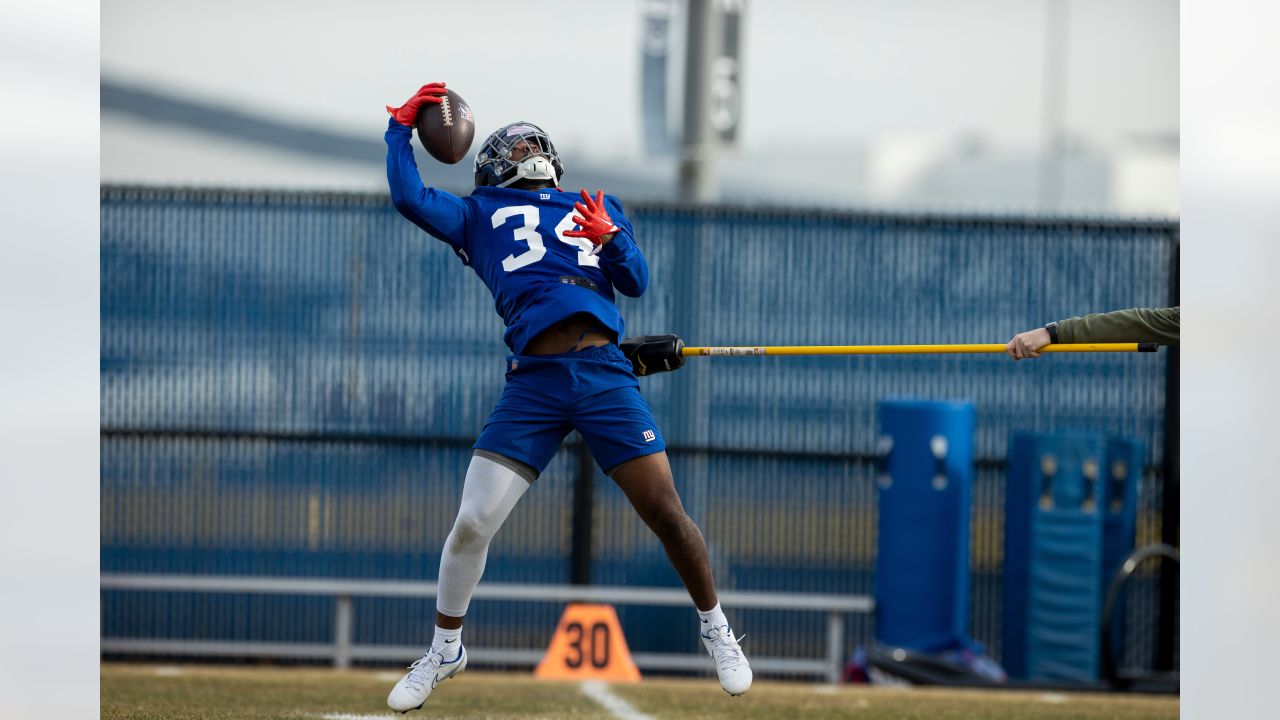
{"x":922,"y":566}
{"x":1054,"y":505}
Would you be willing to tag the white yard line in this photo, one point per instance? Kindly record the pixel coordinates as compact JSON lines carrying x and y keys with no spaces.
{"x":616,"y":706}
{"x":351,"y":716}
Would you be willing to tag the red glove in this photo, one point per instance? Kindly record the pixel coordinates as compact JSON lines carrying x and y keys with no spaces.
{"x":593,"y":219}
{"x":407,"y":114}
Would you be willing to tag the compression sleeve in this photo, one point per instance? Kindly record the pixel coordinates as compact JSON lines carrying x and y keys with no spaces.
{"x":441,"y":214}
{"x":1157,"y":325}
{"x":624,"y":264}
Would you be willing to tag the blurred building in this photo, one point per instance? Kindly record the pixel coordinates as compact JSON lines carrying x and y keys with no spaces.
{"x":1055,"y":106}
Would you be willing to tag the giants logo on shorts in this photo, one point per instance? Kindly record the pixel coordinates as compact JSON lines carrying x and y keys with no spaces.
{"x":649,"y":436}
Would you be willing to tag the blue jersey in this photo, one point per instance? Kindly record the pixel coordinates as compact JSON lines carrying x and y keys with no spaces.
{"x":514,"y":240}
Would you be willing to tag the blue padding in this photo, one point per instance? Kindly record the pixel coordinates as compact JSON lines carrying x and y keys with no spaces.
{"x":1063,"y":606}
{"x":1123,"y":471}
{"x":1054,"y":504}
{"x":922,"y":566}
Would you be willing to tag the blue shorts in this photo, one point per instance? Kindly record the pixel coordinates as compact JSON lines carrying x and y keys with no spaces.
{"x":592,"y":391}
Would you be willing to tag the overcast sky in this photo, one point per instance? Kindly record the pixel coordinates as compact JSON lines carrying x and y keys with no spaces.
{"x":823,"y":79}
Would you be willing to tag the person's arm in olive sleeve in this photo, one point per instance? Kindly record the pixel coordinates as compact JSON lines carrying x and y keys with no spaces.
{"x":1157,"y":325}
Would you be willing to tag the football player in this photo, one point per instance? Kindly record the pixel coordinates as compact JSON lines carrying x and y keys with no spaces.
{"x":553,"y":260}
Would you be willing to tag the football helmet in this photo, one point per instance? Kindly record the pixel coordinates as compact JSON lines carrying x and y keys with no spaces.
{"x":518,"y":151}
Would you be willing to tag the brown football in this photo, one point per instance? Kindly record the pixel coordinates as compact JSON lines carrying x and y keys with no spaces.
{"x":446,"y":129}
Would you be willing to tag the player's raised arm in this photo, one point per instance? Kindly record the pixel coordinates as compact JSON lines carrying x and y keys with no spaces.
{"x":440,"y":213}
{"x":624,"y":263}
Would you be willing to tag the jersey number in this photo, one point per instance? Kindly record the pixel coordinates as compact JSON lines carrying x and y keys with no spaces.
{"x":528,"y":233}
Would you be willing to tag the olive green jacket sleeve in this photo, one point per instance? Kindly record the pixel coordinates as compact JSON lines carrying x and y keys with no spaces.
{"x":1157,"y":325}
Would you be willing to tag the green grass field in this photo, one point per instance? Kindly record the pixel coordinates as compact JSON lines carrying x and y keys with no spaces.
{"x":135,"y":692}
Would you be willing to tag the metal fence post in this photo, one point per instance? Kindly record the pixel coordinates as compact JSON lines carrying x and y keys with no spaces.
{"x":342,"y":632}
{"x":583,"y":507}
{"x":835,"y":645}
{"x":1170,"y":496}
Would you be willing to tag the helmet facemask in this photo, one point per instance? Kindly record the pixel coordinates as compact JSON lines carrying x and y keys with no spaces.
{"x":520,"y":151}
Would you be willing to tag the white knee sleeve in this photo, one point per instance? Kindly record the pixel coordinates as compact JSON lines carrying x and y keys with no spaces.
{"x":489,"y":493}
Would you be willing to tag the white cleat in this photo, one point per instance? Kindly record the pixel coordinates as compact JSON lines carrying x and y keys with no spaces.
{"x":731,"y":664}
{"x":424,"y":675}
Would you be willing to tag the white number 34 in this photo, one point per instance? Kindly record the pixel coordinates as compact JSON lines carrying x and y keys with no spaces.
{"x":528,"y":233}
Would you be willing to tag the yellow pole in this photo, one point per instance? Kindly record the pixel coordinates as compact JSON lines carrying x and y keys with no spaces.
{"x":907,"y":349}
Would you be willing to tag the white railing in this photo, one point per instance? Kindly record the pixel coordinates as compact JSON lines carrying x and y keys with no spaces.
{"x":342,"y":651}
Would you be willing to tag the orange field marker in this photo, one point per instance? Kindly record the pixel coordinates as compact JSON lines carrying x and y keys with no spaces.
{"x":588,"y":645}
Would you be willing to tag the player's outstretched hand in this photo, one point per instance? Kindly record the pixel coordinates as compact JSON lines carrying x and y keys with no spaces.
{"x":407,"y":114}
{"x":1027,"y":344}
{"x":594,"y":220}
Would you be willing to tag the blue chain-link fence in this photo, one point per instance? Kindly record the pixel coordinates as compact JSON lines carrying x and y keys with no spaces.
{"x":291,"y":382}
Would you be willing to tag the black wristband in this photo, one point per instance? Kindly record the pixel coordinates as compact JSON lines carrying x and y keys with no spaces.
{"x":1053,"y":332}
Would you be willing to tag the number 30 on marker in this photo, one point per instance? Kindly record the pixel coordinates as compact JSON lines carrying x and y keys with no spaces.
{"x":588,"y":645}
